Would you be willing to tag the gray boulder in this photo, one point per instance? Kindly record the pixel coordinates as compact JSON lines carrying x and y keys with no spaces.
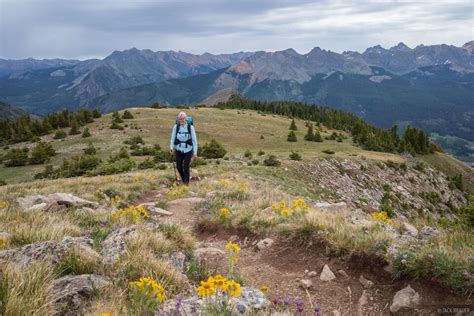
{"x":114,"y":245}
{"x":405,"y":300}
{"x":327,"y":274}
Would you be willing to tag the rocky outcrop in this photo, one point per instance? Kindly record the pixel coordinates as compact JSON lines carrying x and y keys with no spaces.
{"x":52,"y":202}
{"x":114,"y":245}
{"x":327,"y":274}
{"x":69,"y":292}
{"x":363,"y":183}
{"x":51,"y":252}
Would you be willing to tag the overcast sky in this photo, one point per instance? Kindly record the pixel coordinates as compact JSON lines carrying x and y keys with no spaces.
{"x":83,"y":29}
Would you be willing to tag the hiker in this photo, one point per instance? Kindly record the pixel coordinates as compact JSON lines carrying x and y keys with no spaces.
{"x":184,"y":144}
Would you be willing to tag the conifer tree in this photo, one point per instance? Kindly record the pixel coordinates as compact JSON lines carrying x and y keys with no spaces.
{"x":293,"y":125}
{"x":309,"y":134}
{"x":292,"y":137}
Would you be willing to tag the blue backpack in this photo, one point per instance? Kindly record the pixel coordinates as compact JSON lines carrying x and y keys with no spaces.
{"x":189,"y":142}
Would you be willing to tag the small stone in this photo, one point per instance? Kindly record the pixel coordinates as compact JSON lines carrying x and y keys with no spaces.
{"x":364,"y":299}
{"x":265,"y":243}
{"x":343,"y":273}
{"x":233,"y":238}
{"x":306,"y":271}
{"x":306,"y":283}
{"x":405,"y":300}
{"x":365,"y":282}
{"x":313,"y":274}
{"x":327,"y":274}
{"x":428,"y":231}
{"x":410,"y":229}
{"x":336,"y":313}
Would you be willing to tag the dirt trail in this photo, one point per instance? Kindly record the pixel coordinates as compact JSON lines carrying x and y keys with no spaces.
{"x":281,"y":266}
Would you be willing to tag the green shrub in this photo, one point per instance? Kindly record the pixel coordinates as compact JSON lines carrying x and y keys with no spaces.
{"x":261,"y":153}
{"x":60,"y":134}
{"x":212,"y":150}
{"x":2,"y":182}
{"x":90,"y":149}
{"x":317,"y":137}
{"x":78,"y":165}
{"x":328,"y":151}
{"x":161,"y":166}
{"x":127,"y":115}
{"x":86,"y":133}
{"x":116,"y":125}
{"x":292,"y":137}
{"x":295,"y":156}
{"x":271,"y":161}
{"x":146,"y":164}
{"x":293,"y":126}
{"x":248,"y":154}
{"x":96,"y":113}
{"x":116,"y":118}
{"x":117,"y":166}
{"x":74,"y":128}
{"x":41,"y":153}
{"x":198,"y":162}
{"x":48,"y":173}
{"x":309,"y":134}
{"x":16,"y":157}
{"x":255,"y":162}
{"x":134,"y":141}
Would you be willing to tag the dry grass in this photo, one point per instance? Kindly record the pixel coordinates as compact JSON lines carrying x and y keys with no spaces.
{"x":27,"y":291}
{"x":29,"y":227}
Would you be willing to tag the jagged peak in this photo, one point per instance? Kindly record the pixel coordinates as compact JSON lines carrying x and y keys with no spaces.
{"x":400,"y":46}
{"x":375,"y":49}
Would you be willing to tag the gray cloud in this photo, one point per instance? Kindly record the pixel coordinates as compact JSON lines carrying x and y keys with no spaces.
{"x":94,"y":28}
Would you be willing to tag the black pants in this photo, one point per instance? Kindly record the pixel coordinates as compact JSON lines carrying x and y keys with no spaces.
{"x":182,"y":163}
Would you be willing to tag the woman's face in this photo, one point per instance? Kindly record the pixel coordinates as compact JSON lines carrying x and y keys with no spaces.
{"x":182,"y":121}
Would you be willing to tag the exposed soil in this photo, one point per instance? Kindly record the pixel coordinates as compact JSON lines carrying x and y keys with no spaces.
{"x":281,"y":266}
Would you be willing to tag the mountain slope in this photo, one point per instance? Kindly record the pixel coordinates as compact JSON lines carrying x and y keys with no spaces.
{"x":71,"y":86}
{"x":9,"y":112}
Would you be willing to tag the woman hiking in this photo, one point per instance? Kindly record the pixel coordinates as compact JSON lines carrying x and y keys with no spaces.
{"x":184,"y":144}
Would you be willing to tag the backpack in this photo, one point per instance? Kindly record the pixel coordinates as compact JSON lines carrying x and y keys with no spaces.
{"x":189,"y":142}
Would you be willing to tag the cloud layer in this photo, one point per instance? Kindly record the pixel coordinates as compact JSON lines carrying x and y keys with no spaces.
{"x":94,"y":28}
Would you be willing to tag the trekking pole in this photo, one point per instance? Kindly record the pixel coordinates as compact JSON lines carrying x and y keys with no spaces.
{"x":174,"y":168}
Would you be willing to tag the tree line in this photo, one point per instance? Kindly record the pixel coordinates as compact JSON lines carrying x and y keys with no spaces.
{"x":26,"y":128}
{"x":364,"y":134}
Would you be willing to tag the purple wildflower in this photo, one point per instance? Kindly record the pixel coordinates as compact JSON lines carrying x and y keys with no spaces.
{"x":276,"y":301}
{"x":299,"y":305}
{"x":287,"y":301}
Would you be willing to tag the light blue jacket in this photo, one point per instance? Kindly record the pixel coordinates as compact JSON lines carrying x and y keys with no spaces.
{"x":183,"y":136}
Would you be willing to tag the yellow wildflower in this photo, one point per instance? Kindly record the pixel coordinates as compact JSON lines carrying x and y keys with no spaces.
{"x":3,"y":242}
{"x":206,"y":289}
{"x":285,"y":212}
{"x":231,"y":247}
{"x":264,"y":289}
{"x":218,"y":281}
{"x":224,"y":212}
{"x":233,"y":288}
{"x":5,"y":204}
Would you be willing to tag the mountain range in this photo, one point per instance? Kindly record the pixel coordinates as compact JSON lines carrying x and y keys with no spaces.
{"x":428,"y":86}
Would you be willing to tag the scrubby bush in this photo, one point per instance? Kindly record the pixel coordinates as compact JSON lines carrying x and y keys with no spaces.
{"x":16,"y":157}
{"x":328,"y":151}
{"x":96,"y":113}
{"x":127,"y":115}
{"x":134,"y":141}
{"x":293,"y":126}
{"x":116,"y":166}
{"x":248,"y":154}
{"x":116,"y":118}
{"x":295,"y":156}
{"x":146,"y":164}
{"x":317,"y":137}
{"x":261,"y":153}
{"x":60,"y":134}
{"x":198,"y":162}
{"x":90,"y":149}
{"x":41,"y":153}
{"x":86,"y":133}
{"x":292,"y":137}
{"x":271,"y":161}
{"x":74,"y":128}
{"x":116,"y":125}
{"x":212,"y":150}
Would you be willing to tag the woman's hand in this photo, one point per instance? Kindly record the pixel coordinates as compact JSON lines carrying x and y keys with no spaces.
{"x":195,"y":157}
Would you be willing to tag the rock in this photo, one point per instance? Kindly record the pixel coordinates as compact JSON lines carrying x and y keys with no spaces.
{"x":41,"y":202}
{"x":208,"y":254}
{"x":306,"y":283}
{"x":365,"y":282}
{"x":189,"y":200}
{"x":233,"y":238}
{"x":363,"y":299}
{"x":250,"y":300}
{"x":336,"y":313}
{"x":177,"y":260}
{"x":69,"y":200}
{"x":37,"y":207}
{"x":51,"y":252}
{"x":428,"y":231}
{"x":343,"y":273}
{"x":153,"y":210}
{"x":70,"y":291}
{"x":55,"y":207}
{"x":325,"y":205}
{"x":326,"y":274}
{"x":410,"y":229}
{"x":313,"y":274}
{"x":265,"y":243}
{"x":4,"y":235}
{"x":405,"y":300}
{"x":114,"y":245}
